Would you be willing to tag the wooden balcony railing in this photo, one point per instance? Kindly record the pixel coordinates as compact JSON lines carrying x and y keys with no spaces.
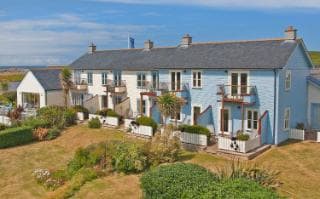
{"x":237,"y":93}
{"x":114,"y":86}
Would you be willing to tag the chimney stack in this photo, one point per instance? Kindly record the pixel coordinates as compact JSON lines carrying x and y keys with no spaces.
{"x":92,"y":48}
{"x":291,"y":33}
{"x":148,"y":45}
{"x":186,"y":40}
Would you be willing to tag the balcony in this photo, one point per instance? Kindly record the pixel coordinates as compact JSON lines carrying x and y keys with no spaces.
{"x":80,"y":85}
{"x":237,"y":94}
{"x":117,"y":87}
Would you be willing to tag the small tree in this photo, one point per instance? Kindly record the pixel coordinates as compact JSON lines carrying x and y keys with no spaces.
{"x":4,"y":86}
{"x":65,"y":78}
{"x":169,"y":104}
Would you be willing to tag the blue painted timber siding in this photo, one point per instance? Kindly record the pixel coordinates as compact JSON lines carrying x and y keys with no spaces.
{"x":296,"y":97}
{"x":207,"y":95}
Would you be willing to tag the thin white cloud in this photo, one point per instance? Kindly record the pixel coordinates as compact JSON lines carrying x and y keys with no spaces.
{"x":57,"y":40}
{"x":3,"y":13}
{"x":229,"y":3}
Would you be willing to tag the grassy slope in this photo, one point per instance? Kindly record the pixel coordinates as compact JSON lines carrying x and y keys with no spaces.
{"x":11,"y":76}
{"x":315,"y":56}
{"x":297,"y":162}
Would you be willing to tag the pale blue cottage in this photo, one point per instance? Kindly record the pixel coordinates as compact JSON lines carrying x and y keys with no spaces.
{"x":257,"y":87}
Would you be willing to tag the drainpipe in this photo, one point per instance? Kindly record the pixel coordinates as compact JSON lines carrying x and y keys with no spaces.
{"x":275,"y":106}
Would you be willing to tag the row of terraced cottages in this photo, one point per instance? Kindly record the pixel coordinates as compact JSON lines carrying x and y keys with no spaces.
{"x":259,"y":86}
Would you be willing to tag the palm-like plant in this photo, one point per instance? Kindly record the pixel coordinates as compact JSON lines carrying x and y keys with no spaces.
{"x":169,"y":104}
{"x":65,"y":78}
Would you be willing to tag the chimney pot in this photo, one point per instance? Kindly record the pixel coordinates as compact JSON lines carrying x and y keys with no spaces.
{"x":148,"y":45}
{"x":291,"y":33}
{"x":92,"y":48}
{"x":186,"y":40}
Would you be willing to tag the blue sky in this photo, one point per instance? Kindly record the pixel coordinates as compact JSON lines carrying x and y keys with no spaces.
{"x":54,"y":32}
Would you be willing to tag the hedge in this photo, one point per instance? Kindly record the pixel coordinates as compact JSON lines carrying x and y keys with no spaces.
{"x":15,"y":136}
{"x":183,"y":180}
{"x":35,"y":123}
{"x":147,"y":121}
{"x":195,"y":129}
{"x":83,"y":110}
{"x":108,"y":112}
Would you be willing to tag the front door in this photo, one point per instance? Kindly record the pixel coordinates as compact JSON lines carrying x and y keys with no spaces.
{"x":196,"y":114}
{"x":225,"y":115}
{"x":105,"y":101}
{"x":315,"y":116}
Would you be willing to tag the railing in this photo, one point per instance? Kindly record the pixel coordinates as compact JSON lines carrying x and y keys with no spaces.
{"x":296,"y":134}
{"x":237,"y":93}
{"x":173,"y":86}
{"x":115,"y":86}
{"x":80,"y":84}
{"x":228,"y":144}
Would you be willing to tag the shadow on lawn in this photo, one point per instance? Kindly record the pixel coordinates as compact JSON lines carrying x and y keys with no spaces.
{"x":289,"y":142}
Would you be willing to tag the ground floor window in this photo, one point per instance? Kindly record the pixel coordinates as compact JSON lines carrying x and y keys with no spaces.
{"x":176,"y":115}
{"x":31,"y":100}
{"x":142,"y":106}
{"x":286,"y":123}
{"x":77,"y":99}
{"x":252,"y":119}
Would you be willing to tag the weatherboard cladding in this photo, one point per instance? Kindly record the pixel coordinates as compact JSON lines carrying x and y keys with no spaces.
{"x":48,"y":78}
{"x":260,"y":54}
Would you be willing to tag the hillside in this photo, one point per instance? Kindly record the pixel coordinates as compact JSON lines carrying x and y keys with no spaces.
{"x":315,"y":56}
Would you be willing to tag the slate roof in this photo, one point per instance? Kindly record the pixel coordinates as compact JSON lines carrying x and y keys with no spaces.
{"x":314,"y":77}
{"x":258,"y":54}
{"x":48,"y":78}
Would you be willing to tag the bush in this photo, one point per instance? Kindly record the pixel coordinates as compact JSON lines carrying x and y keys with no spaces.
{"x":300,"y":125}
{"x":40,"y":134}
{"x":147,"y":121}
{"x":54,"y":115}
{"x":108,"y":112}
{"x":35,"y":123}
{"x":70,"y":117}
{"x":53,"y":133}
{"x":2,"y":127}
{"x":163,"y":148}
{"x":10,"y":96}
{"x":15,"y":136}
{"x":82,"y":109}
{"x":195,"y":129}
{"x":179,"y":180}
{"x":126,"y":157}
{"x":94,"y":123}
{"x":184,"y":180}
{"x":50,"y":180}
{"x":242,"y":136}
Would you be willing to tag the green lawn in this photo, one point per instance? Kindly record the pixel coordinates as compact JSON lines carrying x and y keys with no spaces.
{"x":315,"y":56}
{"x":297,"y":162}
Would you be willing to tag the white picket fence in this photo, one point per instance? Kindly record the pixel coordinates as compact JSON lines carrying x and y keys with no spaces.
{"x":191,"y":138}
{"x":80,"y":116}
{"x":318,"y":136}
{"x":225,"y":143}
{"x":142,"y":130}
{"x":5,"y":120}
{"x":296,"y":134}
{"x":113,"y":121}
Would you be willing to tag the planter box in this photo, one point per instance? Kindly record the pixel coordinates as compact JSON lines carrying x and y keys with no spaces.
{"x":225,"y":143}
{"x":143,"y":130}
{"x":5,"y":120}
{"x":296,"y":134}
{"x":80,"y":116}
{"x":191,"y":138}
{"x":113,"y":121}
{"x":127,"y":123}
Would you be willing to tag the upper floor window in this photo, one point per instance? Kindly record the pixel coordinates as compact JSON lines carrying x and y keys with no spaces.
{"x":89,"y":78}
{"x":239,"y":83}
{"x":288,"y":80}
{"x":103,"y":78}
{"x":196,"y":79}
{"x":175,"y":80}
{"x":117,"y":78}
{"x":155,"y":80}
{"x":286,"y":123}
{"x":141,"y":80}
{"x":252,"y":120}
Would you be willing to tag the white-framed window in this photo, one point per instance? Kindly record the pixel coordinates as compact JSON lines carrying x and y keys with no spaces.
{"x":175,"y":80}
{"x":196,"y":79}
{"x":286,"y":119}
{"x":252,"y":119}
{"x":89,"y":78}
{"x":239,"y":82}
{"x":287,"y":83}
{"x":178,"y":115}
{"x":103,"y":78}
{"x":141,"y":80}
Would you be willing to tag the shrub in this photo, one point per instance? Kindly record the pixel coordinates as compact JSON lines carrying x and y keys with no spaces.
{"x":300,"y":125}
{"x":10,"y":96}
{"x":82,"y":109}
{"x":40,"y":133}
{"x":2,"y":127}
{"x":70,"y":117}
{"x":50,"y":180}
{"x":53,"y":133}
{"x":147,"y":121}
{"x":184,"y":180}
{"x":126,"y":157}
{"x":108,"y":112}
{"x":16,"y":113}
{"x":195,"y":129}
{"x":163,"y":148}
{"x":94,"y":123}
{"x":35,"y":123}
{"x":15,"y":136}
{"x":242,"y":136}
{"x":54,"y":115}
{"x":179,"y":180}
